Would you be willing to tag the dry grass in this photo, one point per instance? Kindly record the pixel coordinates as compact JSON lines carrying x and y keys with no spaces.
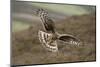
{"x":26,"y":48}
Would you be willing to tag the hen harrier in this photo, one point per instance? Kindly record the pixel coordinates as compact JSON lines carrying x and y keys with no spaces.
{"x":49,"y":37}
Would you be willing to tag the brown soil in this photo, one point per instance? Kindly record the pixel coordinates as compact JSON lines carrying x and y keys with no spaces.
{"x":26,"y":48}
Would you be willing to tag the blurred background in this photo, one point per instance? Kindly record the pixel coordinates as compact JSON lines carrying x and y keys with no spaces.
{"x":78,"y":20}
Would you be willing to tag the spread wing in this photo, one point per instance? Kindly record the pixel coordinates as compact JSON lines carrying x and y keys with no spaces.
{"x":69,"y":39}
{"x":47,"y":21}
{"x":47,"y":42}
{"x":49,"y":25}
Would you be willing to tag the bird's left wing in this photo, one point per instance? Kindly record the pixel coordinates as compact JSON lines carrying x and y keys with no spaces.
{"x":69,"y":39}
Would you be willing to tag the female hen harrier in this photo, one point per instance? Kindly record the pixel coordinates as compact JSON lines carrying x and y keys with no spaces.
{"x":50,"y":36}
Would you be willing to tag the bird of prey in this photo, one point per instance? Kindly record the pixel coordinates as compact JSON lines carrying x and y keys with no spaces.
{"x":49,"y":37}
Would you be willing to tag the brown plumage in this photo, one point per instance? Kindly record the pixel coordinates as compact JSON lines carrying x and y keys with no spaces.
{"x":50,"y":36}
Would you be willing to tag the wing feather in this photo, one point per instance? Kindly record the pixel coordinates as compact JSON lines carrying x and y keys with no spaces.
{"x":44,"y":39}
{"x":69,"y":39}
{"x":47,"y":21}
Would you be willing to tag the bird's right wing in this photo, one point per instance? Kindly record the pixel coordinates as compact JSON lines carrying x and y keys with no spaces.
{"x":46,"y":20}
